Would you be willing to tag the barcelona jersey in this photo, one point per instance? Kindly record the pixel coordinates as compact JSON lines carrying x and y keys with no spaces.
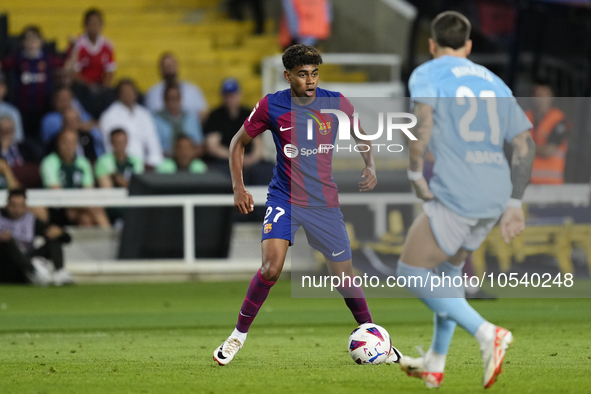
{"x":304,"y":137}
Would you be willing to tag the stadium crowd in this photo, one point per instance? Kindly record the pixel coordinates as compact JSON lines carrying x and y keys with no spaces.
{"x":65,"y":123}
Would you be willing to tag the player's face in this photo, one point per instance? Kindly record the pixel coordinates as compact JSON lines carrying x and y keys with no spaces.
{"x":2,"y":90}
{"x":303,"y":80}
{"x":16,"y":207}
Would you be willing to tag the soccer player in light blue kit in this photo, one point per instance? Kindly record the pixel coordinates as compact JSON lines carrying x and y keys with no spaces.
{"x":464,"y":113}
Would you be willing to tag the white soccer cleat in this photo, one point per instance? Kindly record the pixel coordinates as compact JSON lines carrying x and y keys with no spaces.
{"x":394,"y":356}
{"x":62,"y":277}
{"x":493,"y":355}
{"x":227,"y":350}
{"x":416,"y":368}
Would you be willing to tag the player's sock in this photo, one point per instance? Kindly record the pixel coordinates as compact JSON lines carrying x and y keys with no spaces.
{"x":434,"y":361}
{"x":456,"y":309}
{"x":257,"y":293}
{"x":239,"y":335}
{"x":443,"y":328}
{"x":355,"y":300}
{"x":485,"y":334}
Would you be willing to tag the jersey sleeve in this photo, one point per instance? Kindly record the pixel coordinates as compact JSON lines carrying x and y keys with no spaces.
{"x":421,"y":87}
{"x":517,"y":121}
{"x":348,"y":108}
{"x":258,"y":120}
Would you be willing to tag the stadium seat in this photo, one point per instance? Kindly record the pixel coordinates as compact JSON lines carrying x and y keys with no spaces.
{"x":393,"y":240}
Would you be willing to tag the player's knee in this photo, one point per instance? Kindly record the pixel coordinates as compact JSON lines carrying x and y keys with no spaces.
{"x":270,"y":271}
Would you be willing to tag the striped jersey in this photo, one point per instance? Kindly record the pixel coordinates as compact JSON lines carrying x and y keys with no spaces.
{"x":304,"y":138}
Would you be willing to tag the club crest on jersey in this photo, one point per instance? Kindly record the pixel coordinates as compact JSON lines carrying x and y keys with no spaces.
{"x":268,"y":227}
{"x":324,"y":127}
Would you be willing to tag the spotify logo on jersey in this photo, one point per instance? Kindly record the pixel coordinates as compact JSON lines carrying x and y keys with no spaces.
{"x":290,"y":150}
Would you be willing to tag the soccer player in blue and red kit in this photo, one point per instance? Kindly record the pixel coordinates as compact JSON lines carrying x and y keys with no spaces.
{"x":302,"y":192}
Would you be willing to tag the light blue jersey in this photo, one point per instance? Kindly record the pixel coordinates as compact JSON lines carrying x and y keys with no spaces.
{"x":473,"y":113}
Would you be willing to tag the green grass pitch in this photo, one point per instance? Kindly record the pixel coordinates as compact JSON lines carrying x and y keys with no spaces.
{"x":159,"y":338}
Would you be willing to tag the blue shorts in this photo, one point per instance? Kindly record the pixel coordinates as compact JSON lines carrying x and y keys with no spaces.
{"x":324,"y":227}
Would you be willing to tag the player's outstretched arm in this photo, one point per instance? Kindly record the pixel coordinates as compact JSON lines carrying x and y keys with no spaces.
{"x":243,"y":200}
{"x":417,"y":149}
{"x":369,"y":172}
{"x":524,"y":151}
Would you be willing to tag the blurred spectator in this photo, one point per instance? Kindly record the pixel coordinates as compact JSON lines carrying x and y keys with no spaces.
{"x":236,"y":8}
{"x":115,"y":169}
{"x":18,"y":229}
{"x":10,"y":110}
{"x":184,"y":159}
{"x":65,"y":170}
{"x":33,"y":72}
{"x":93,"y":60}
{"x":192,"y":99}
{"x":172,"y":121}
{"x":220,"y":127}
{"x":9,"y":148}
{"x":304,"y":22}
{"x":89,"y":145}
{"x":550,"y":133}
{"x":52,"y":123}
{"x":137,"y":122}
{"x":7,"y":178}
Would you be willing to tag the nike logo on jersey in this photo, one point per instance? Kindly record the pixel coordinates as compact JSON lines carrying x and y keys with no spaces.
{"x":285,"y":129}
{"x":338,"y":254}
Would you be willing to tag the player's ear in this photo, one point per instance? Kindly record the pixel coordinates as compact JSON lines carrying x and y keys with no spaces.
{"x":432,"y":47}
{"x":468,"y":47}
{"x":287,"y":76}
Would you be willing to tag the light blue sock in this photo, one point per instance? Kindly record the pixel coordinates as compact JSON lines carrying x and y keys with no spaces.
{"x":443,"y":328}
{"x":442,"y":300}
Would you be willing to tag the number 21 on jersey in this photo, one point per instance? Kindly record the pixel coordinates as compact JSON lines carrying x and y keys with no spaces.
{"x":465,"y":96}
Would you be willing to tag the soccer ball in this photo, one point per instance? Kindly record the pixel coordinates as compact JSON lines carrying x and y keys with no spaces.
{"x":369,"y":344}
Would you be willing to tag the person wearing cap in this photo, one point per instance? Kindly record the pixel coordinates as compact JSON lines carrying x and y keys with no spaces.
{"x":172,"y":122}
{"x":219,"y":129}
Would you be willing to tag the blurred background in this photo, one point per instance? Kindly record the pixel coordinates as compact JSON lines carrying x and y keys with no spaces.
{"x":117,"y":116}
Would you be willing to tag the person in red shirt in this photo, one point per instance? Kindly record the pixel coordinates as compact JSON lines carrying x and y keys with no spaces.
{"x":93,"y":60}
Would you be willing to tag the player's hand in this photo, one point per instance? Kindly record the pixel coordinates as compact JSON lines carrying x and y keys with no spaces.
{"x":243,"y":201}
{"x":422,"y":190}
{"x":370,"y":181}
{"x":512,"y":223}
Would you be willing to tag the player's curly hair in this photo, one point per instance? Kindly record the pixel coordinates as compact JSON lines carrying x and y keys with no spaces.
{"x":301,"y":55}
